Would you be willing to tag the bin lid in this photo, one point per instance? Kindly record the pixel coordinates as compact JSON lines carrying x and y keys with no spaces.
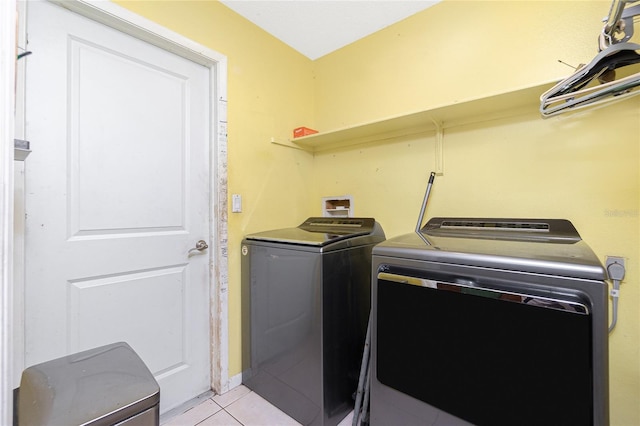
{"x":101,"y":386}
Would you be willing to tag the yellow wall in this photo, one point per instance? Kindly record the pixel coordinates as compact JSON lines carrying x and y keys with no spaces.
{"x":582,"y":167}
{"x":454,"y":51}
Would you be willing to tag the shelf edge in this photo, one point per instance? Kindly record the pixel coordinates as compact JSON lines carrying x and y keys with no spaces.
{"x":510,"y":103}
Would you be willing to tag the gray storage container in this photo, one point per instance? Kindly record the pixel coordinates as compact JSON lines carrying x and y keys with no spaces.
{"x":104,"y":386}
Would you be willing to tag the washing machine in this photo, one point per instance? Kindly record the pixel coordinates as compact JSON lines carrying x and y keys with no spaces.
{"x":306,"y":295}
{"x":489,"y":322}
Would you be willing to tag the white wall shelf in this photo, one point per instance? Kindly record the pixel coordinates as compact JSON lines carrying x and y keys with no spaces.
{"x":468,"y":112}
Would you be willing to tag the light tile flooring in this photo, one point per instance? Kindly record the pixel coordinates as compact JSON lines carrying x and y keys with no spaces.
{"x":239,"y":406}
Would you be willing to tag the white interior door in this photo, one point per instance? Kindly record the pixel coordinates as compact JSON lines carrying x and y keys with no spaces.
{"x":117,"y":193}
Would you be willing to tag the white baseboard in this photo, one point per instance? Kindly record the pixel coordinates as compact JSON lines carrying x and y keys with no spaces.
{"x":235,"y":381}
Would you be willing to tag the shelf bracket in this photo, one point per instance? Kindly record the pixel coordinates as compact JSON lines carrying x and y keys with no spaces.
{"x":439,"y":149}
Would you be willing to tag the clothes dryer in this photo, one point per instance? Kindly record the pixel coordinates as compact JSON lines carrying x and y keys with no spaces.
{"x":489,"y":322}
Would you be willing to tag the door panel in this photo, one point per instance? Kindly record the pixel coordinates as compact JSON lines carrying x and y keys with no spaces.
{"x":148,"y":104}
{"x":117,"y":194}
{"x":93,"y":301}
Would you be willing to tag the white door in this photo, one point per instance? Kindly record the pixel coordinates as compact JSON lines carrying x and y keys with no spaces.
{"x":117,"y":193}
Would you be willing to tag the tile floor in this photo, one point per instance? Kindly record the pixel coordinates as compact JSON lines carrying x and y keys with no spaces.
{"x":238,"y":407}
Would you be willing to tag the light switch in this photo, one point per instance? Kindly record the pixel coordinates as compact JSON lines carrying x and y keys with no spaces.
{"x":236,"y":203}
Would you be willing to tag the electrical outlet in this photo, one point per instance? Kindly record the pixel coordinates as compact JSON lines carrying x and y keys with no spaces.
{"x":614,"y":259}
{"x":615,"y":267}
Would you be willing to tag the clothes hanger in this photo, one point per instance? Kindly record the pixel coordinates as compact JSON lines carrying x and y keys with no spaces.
{"x":615,"y":52}
{"x":572,"y":91}
{"x":612,"y":91}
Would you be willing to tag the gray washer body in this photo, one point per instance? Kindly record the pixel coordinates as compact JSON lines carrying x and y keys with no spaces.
{"x":306,"y":297}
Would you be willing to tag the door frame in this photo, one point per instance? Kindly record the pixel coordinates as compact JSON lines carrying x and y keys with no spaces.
{"x":127,"y":22}
{"x":7,"y":105}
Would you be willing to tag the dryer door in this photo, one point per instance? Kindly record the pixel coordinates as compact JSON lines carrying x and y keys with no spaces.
{"x":490,"y":357}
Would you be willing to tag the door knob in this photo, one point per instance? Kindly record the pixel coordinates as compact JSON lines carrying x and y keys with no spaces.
{"x":200,"y":246}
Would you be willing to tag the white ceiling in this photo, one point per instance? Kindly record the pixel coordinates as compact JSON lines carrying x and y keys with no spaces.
{"x":317,"y":27}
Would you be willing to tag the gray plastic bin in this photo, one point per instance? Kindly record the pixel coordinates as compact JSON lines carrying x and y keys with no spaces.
{"x":104,"y":386}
